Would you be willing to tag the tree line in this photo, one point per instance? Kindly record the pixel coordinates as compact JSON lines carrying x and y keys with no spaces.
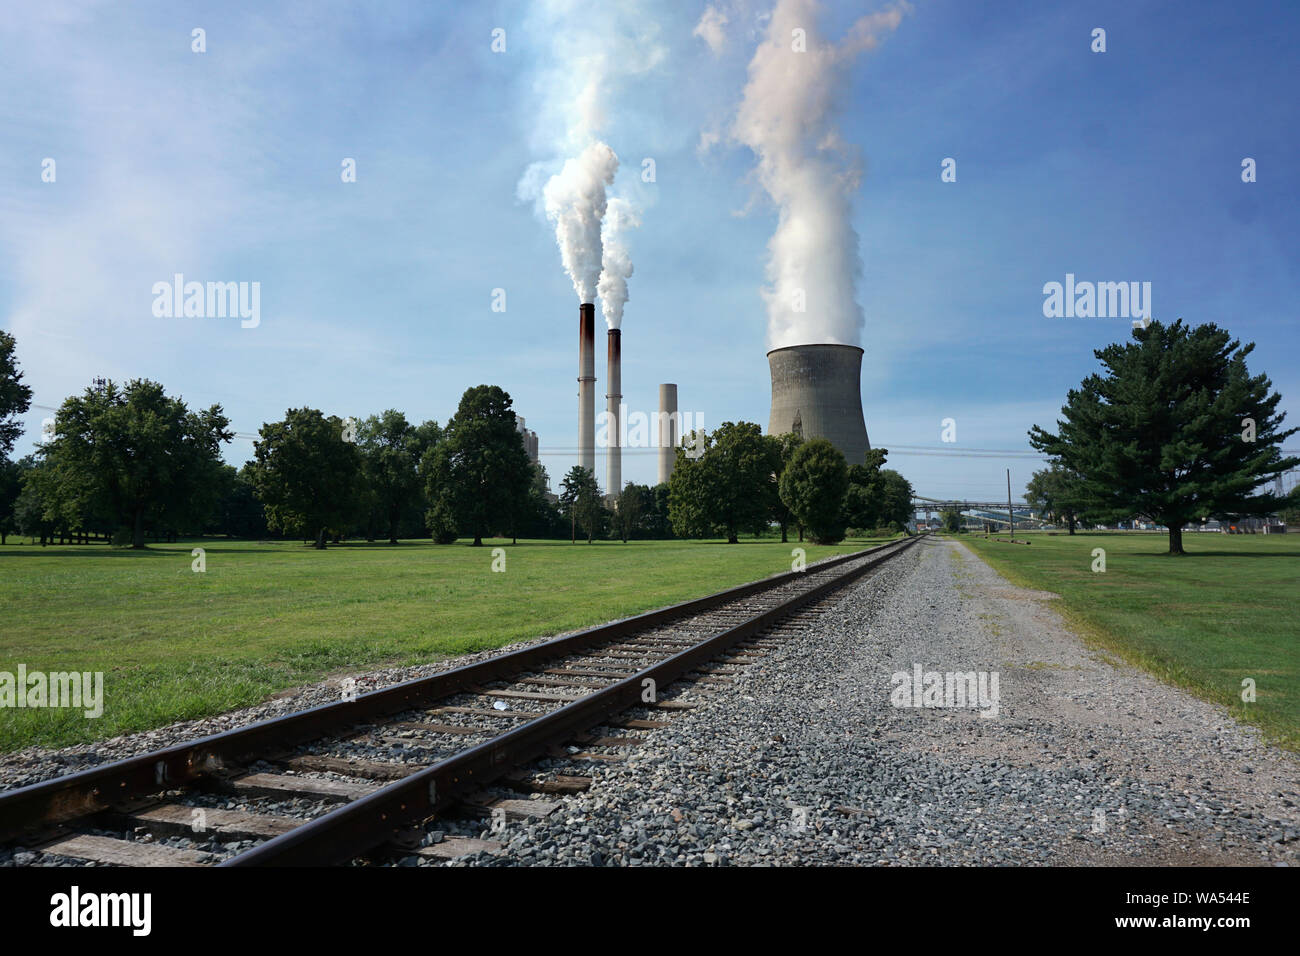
{"x":128,"y":463}
{"x":125,"y":463}
{"x":736,"y":480}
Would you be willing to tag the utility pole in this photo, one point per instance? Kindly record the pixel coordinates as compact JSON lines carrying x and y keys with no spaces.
{"x":1011,"y":518}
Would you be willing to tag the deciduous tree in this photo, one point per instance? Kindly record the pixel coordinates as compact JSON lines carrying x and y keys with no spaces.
{"x":580,"y":501}
{"x":389,"y":452}
{"x":11,"y":486}
{"x":306,"y":475}
{"x":479,"y":472}
{"x":813,"y":487}
{"x":727,"y":487}
{"x":629,"y":508}
{"x":782,"y":449}
{"x":952,"y":520}
{"x":15,"y":397}
{"x":1056,"y":493}
{"x":134,"y":454}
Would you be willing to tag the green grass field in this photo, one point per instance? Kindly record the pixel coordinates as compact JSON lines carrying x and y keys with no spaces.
{"x":175,"y":644}
{"x":1226,"y":611}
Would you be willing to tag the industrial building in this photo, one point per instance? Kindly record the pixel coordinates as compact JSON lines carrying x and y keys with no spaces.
{"x":529,"y":438}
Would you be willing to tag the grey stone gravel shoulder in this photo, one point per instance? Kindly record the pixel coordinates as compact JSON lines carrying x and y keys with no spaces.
{"x":805,"y":759}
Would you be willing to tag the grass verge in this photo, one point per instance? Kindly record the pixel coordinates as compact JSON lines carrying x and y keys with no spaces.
{"x":1224,"y":613}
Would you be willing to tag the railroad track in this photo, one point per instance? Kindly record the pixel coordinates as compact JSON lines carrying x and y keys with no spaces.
{"x":370,"y":772}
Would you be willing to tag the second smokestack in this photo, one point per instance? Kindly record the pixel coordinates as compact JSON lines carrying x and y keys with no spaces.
{"x":587,"y":387}
{"x":669,"y":433}
{"x":614,"y":398}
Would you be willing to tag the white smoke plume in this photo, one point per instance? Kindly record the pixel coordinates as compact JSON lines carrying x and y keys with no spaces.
{"x":787,"y":117}
{"x":620,"y":217}
{"x":575,"y":202}
{"x":595,"y":49}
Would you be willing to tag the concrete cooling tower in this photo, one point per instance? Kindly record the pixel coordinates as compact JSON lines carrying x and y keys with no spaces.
{"x":816,"y":391}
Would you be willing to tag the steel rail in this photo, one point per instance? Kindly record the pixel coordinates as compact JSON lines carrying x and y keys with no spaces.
{"x":90,"y":791}
{"x":388,"y":813}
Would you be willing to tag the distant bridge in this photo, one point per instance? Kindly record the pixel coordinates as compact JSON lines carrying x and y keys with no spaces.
{"x":978,"y":513}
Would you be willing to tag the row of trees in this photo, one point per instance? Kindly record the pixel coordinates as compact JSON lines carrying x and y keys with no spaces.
{"x":126,"y":462}
{"x":638,"y":511}
{"x":1174,"y":429}
{"x":742,"y":481}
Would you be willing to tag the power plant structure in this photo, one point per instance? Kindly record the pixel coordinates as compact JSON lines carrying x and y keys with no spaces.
{"x":669,"y":431}
{"x":614,"y":450}
{"x":529,"y":438}
{"x":587,"y":386}
{"x":817,"y":392}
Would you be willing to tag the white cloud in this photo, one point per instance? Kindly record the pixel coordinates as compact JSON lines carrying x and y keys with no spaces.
{"x":711,"y":28}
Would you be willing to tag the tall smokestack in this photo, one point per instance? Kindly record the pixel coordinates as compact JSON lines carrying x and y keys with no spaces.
{"x":669,"y":433}
{"x":587,"y":386}
{"x":614,"y":453}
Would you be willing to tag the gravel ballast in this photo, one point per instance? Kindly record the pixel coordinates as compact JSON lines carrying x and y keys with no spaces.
{"x":804,"y":760}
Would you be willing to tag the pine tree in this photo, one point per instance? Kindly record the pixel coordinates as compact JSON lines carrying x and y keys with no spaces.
{"x":1175,"y":430}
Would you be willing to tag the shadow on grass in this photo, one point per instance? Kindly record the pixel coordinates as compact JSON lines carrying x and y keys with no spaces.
{"x":242,"y":547}
{"x":157,"y":550}
{"x":1225,"y":554}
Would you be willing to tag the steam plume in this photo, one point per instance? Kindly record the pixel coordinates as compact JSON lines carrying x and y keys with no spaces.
{"x":620,"y":217}
{"x":575,"y":202}
{"x":787,"y":117}
{"x":594,"y":50}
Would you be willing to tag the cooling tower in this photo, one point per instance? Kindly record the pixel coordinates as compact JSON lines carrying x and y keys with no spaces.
{"x":816,"y":390}
{"x":587,"y":387}
{"x":614,"y":451}
{"x":669,"y":431}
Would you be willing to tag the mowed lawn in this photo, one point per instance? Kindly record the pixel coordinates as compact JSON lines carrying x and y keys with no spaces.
{"x":175,"y":644}
{"x":1226,"y":611}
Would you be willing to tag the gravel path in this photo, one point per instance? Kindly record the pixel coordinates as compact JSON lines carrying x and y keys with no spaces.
{"x":805,"y":761}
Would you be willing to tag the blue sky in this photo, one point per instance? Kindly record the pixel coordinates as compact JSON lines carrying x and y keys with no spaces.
{"x":225,"y":166}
